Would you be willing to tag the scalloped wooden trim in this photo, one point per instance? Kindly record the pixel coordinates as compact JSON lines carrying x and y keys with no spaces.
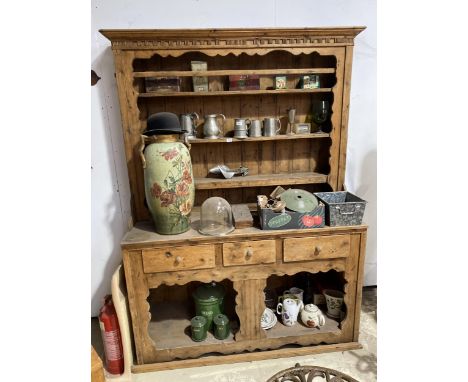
{"x":246,"y":357}
{"x":224,"y":52}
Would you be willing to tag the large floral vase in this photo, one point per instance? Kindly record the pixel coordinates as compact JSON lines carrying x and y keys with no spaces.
{"x":169,"y":186}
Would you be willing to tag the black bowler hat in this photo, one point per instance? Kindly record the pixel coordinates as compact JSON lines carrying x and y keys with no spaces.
{"x":163,"y":123}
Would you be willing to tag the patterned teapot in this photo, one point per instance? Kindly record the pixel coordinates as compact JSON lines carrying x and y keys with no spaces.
{"x":312,"y":316}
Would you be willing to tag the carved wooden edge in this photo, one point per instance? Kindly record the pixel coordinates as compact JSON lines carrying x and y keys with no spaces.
{"x":138,"y":292}
{"x":262,"y":344}
{"x":249,"y":308}
{"x":337,"y":110}
{"x":245,"y":357}
{"x":239,"y":273}
{"x":359,"y":284}
{"x":177,"y":39}
{"x":345,"y":114}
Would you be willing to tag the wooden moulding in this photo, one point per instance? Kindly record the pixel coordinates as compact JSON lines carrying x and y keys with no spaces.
{"x":249,"y":38}
{"x":246,"y":357}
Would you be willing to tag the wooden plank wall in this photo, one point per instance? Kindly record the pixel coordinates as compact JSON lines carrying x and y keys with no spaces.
{"x":267,"y":157}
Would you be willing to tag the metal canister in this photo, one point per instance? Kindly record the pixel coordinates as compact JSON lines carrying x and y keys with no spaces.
{"x":209,"y":301}
{"x":198,"y":328}
{"x":221,"y":328}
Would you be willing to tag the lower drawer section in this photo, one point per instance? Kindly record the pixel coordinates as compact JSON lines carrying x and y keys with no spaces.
{"x":312,"y":248}
{"x":178,"y":258}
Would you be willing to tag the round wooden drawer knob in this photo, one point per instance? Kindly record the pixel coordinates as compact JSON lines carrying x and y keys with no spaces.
{"x":168,"y":254}
{"x":248,"y":253}
{"x":178,"y":260}
{"x":318,"y":249}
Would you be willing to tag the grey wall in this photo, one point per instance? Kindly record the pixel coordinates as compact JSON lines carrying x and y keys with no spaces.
{"x":110,"y":189}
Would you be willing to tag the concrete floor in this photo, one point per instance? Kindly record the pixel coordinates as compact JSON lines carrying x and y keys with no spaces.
{"x":359,"y":364}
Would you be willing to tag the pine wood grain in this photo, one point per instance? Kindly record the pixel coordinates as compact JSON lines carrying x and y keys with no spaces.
{"x":324,"y":247}
{"x":249,"y":252}
{"x":178,"y":258}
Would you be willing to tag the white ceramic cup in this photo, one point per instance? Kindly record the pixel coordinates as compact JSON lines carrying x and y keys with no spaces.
{"x":289,"y":310}
{"x":334,"y":300}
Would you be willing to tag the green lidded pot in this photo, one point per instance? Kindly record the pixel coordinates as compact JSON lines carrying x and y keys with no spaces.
{"x":209,"y":301}
{"x":221,"y":329}
{"x":198,"y":324}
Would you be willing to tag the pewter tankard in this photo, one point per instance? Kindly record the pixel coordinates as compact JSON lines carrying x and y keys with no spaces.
{"x":240,"y":127}
{"x":211,"y":129}
{"x":269,"y":127}
{"x":255,"y":129}
{"x":188,"y":122}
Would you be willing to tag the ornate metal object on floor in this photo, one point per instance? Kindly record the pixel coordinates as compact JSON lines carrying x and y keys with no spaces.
{"x":300,"y":373}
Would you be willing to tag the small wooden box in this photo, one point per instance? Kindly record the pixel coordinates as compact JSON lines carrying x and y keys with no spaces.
{"x":162,"y":84}
{"x":244,"y":82}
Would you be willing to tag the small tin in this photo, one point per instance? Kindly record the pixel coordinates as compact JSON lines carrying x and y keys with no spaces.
{"x":198,"y":328}
{"x":301,"y":128}
{"x":280,"y":82}
{"x":221,"y":330}
{"x":310,"y":81}
{"x":162,"y":84}
{"x":200,"y":84}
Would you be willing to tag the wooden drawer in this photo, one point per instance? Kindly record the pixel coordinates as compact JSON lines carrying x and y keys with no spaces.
{"x":178,"y":258}
{"x":249,"y":252}
{"x":312,"y":248}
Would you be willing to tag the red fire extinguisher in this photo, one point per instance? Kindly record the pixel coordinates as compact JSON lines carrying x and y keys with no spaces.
{"x":111,"y":338}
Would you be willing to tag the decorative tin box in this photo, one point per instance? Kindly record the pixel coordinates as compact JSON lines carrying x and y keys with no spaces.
{"x":343,"y":208}
{"x":301,"y":128}
{"x":270,"y":220}
{"x":244,"y":82}
{"x":310,"y":81}
{"x":200,"y":84}
{"x":162,"y":84}
{"x":280,"y":82}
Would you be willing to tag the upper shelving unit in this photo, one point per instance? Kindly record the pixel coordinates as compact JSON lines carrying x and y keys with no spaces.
{"x":315,"y":162}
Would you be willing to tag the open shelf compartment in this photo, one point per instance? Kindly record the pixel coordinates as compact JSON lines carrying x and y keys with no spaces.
{"x":171,"y":310}
{"x":312,"y":285}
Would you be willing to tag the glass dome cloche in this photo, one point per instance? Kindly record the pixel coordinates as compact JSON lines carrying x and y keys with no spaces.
{"x":216,"y":217}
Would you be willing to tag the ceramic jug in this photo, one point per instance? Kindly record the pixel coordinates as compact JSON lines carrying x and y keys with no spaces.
{"x":289,"y":310}
{"x":189,"y":124}
{"x":312,"y":316}
{"x":211,"y":129}
{"x":169,"y":185}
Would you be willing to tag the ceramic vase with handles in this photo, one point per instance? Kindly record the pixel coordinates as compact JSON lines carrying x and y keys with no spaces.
{"x":312,"y":316}
{"x":289,"y":310}
{"x":169,"y":185}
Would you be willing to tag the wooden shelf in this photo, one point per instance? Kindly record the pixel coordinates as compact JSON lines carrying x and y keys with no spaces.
{"x":300,"y":330}
{"x":233,"y":92}
{"x":170,"y":327}
{"x":260,"y":180}
{"x":259,"y":139}
{"x":213,"y":73}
